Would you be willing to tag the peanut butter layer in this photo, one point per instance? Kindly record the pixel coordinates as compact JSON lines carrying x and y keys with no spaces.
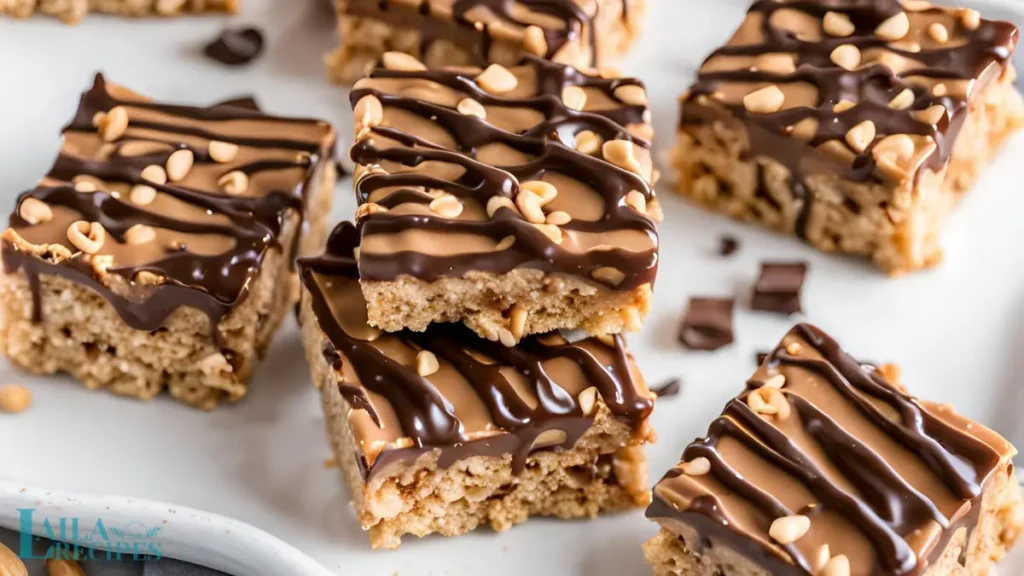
{"x":158,"y":206}
{"x":537,"y":167}
{"x":451,"y":393}
{"x":858,"y":108}
{"x":822,"y":466}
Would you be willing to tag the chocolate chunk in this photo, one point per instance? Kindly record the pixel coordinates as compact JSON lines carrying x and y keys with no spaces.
{"x":670,"y":388}
{"x":708,"y":324}
{"x":236,"y":46}
{"x":247,"y":102}
{"x":728,"y":246}
{"x":779,"y":287}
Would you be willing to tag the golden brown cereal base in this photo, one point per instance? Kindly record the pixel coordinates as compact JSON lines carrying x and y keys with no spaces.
{"x":896,"y":227}
{"x":999,"y":525}
{"x":363,"y":40}
{"x":82,"y":334}
{"x":482,"y":301}
{"x":71,"y":11}
{"x":421,"y":499}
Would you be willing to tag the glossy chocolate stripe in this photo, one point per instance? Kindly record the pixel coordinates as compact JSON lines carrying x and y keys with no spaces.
{"x":921,"y":432}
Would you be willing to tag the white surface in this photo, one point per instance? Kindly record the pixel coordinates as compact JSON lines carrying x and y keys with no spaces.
{"x":958,"y":331}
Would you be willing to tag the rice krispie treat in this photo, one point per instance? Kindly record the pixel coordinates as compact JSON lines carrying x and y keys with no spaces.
{"x":441,"y":432}
{"x":71,"y":11}
{"x":158,"y":251}
{"x":823,"y":467}
{"x":583,"y":33}
{"x":514,"y":200}
{"x":855,"y":127}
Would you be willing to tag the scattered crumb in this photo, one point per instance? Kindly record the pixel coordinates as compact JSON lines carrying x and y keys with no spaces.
{"x":14,"y":398}
{"x":330,"y":463}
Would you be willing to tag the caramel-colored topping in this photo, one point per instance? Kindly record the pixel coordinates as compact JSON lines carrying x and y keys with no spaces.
{"x":137,"y":192}
{"x":451,"y":391}
{"x":857,"y":478}
{"x":456,"y":161}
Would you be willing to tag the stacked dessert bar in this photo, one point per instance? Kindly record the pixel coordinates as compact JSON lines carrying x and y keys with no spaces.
{"x":157,"y":253}
{"x":496,"y":206}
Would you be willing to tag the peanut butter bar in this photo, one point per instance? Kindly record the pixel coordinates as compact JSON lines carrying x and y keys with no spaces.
{"x":443,"y":431}
{"x":583,"y":33}
{"x":514,"y":200}
{"x":158,"y":251}
{"x":853,"y":126}
{"x":71,"y":11}
{"x":824,"y":467}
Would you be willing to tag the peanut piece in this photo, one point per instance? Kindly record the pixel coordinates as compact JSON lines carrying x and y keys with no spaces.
{"x":13,"y":399}
{"x":222,"y":152}
{"x":767,"y":100}
{"x":426,"y":363}
{"x":35,"y":211}
{"x":87,"y":236}
{"x":401,"y":61}
{"x":789,"y":529}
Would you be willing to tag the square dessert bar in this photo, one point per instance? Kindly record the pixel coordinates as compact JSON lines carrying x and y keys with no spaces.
{"x":514,"y":200}
{"x":583,"y":33}
{"x":442,"y":431}
{"x":853,"y":126}
{"x":823,"y":467}
{"x":158,"y":251}
{"x":71,"y":11}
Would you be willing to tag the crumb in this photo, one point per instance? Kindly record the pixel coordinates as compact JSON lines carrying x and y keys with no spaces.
{"x":14,"y":398}
{"x":330,"y":463}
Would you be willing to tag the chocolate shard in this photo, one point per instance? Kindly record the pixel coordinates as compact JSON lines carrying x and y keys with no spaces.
{"x":779,"y":287}
{"x":820,"y":457}
{"x":236,"y":46}
{"x":707,"y":325}
{"x":670,"y":388}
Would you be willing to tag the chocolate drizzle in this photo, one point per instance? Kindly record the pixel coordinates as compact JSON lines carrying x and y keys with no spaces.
{"x":428,"y":416}
{"x":255,"y":223}
{"x":871,"y":86}
{"x":464,"y":30}
{"x":549,"y":145}
{"x":886,"y":508}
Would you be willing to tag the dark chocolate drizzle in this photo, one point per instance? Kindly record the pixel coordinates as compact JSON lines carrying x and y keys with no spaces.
{"x":871,"y":87}
{"x":550,"y":144}
{"x":462,"y":31}
{"x":212,"y":284}
{"x":886,"y":508}
{"x":427,"y":416}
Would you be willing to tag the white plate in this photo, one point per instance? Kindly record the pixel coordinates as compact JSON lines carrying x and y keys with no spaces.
{"x":957,"y":331}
